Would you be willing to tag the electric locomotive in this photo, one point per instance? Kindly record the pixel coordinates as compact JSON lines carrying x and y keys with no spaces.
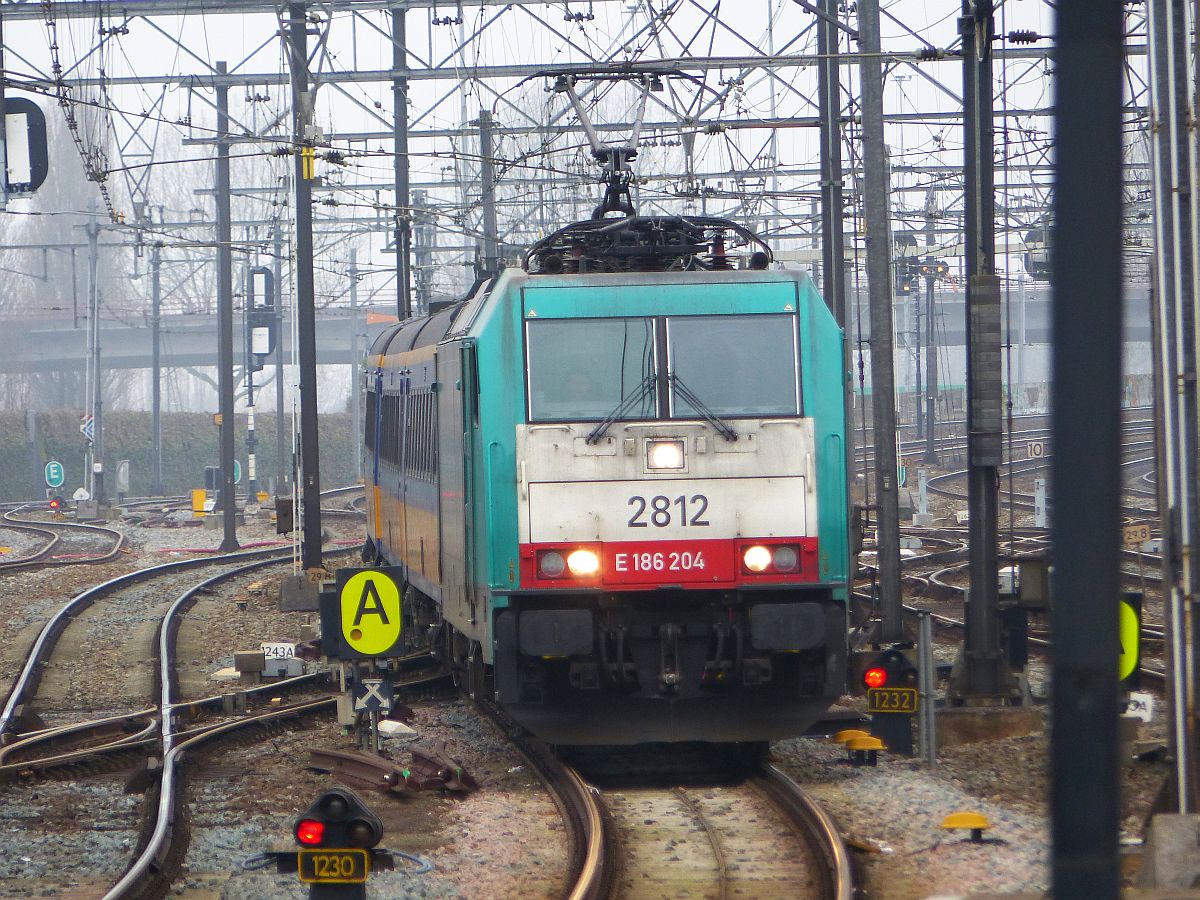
{"x":615,"y":482}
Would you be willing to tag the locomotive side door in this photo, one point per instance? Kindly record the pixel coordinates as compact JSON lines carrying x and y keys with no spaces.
{"x":457,"y":417}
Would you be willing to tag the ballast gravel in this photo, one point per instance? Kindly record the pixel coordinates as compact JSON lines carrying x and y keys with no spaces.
{"x":71,"y":838}
{"x":506,"y":840}
{"x":893,"y":812}
{"x":78,"y":832}
{"x":897,"y":808}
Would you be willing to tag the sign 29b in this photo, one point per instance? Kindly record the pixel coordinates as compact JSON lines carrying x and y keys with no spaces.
{"x":1133,"y":536}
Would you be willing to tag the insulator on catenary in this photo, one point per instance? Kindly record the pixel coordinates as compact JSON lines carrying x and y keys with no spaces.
{"x":1023,"y":37}
{"x":929,"y":54}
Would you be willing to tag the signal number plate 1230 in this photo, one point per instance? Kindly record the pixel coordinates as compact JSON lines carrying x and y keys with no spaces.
{"x":892,"y":700}
{"x":335,"y":866}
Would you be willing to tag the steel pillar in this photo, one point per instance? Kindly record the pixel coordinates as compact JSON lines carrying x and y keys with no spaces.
{"x":156,"y":365}
{"x":93,"y":233}
{"x":248,"y":355}
{"x":310,"y":459}
{"x":283,"y":458}
{"x":876,"y":208}
{"x":74,"y":292}
{"x":931,"y":366}
{"x":1085,"y":471}
{"x":829,"y":97}
{"x":985,"y":671}
{"x":3,"y":127}
{"x":355,"y":370}
{"x":228,"y":498}
{"x":918,"y":309}
{"x":833,"y":250}
{"x":1175,"y":296}
{"x":491,"y":243}
{"x":400,"y":167}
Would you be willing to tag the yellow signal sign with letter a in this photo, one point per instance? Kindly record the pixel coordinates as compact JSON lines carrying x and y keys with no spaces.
{"x":1129,"y":632}
{"x":363,"y":618}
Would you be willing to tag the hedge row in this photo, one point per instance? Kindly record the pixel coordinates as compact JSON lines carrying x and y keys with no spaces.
{"x":189,"y":443}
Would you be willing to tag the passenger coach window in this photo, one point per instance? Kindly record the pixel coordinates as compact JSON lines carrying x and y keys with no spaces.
{"x":586,"y":368}
{"x":735,"y":365}
{"x":372,"y":399}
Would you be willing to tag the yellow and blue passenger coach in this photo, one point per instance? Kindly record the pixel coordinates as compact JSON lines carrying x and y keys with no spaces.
{"x":618,"y":492}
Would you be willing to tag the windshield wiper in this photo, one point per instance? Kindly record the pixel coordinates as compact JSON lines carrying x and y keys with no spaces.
{"x":701,"y":407}
{"x":623,"y":408}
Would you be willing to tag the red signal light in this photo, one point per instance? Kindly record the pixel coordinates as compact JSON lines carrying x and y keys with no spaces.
{"x":55,"y":503}
{"x":310,"y":832}
{"x":875,"y":677}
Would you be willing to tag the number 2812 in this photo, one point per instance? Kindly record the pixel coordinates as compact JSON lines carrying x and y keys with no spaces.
{"x":660,"y":511}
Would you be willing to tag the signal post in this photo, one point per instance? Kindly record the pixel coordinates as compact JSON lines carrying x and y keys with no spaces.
{"x":337,"y":835}
{"x":260,"y":316}
{"x":361,"y":627}
{"x":890,"y":680}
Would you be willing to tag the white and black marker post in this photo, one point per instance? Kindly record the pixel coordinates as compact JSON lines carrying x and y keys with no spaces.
{"x":926,"y":688}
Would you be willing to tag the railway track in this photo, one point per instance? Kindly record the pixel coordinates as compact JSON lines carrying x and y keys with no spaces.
{"x":62,"y":543}
{"x":758,"y":837}
{"x":937,"y":574}
{"x":163,"y":733}
{"x":38,"y":660}
{"x":99,"y":744}
{"x":591,"y":870}
{"x":761,"y":836}
{"x":954,"y":443}
{"x":941,"y":484}
{"x":932,"y":581}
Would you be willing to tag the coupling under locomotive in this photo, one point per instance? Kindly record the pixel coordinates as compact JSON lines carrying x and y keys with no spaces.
{"x":615,"y":481}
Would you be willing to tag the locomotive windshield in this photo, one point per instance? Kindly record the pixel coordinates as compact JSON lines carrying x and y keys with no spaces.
{"x":596,"y":369}
{"x":586,"y":368}
{"x":735,"y":365}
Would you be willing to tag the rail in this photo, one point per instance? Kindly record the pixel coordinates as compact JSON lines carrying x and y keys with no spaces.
{"x":591,"y":870}
{"x":817,"y":827}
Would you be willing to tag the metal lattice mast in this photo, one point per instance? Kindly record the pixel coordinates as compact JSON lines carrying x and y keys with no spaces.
{"x":876,"y":203}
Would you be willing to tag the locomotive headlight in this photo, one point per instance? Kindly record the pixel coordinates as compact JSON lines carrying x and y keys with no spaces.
{"x":757,"y":558}
{"x":583,"y":563}
{"x":551,"y":564}
{"x":785,"y":559}
{"x":664,"y":454}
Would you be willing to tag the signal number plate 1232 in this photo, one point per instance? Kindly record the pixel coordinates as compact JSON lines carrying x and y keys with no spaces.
{"x":892,"y":700}
{"x":334,"y":866}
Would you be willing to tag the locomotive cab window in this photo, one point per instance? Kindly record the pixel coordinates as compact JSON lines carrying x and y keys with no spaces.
{"x":734,"y":365}
{"x":581,"y":369}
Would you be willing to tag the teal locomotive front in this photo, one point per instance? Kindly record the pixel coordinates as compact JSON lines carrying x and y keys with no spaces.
{"x":621,"y":500}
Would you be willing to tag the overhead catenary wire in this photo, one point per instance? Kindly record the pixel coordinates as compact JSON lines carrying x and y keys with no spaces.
{"x":616,"y":35}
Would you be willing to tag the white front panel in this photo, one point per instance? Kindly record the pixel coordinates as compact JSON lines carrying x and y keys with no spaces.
{"x":677,"y":509}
